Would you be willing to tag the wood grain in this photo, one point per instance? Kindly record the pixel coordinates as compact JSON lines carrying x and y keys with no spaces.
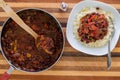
{"x":15,"y":77}
{"x":57,"y":1}
{"x":73,"y":65}
{"x":46,"y":5}
{"x":67,"y":73}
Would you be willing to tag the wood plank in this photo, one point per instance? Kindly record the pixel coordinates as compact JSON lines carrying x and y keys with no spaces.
{"x":51,"y":10}
{"x":78,"y":63}
{"x":57,"y":1}
{"x":3,"y":18}
{"x":39,"y":4}
{"x":89,"y":59}
{"x":86,"y":63}
{"x":75,"y":68}
{"x":84,"y":68}
{"x":46,"y":5}
{"x":3,"y":62}
{"x":1,"y":28}
{"x":68,"y":73}
{"x":39,"y":77}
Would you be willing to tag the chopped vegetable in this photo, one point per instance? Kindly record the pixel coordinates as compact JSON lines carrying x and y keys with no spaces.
{"x":15,"y":46}
{"x":28,"y":55}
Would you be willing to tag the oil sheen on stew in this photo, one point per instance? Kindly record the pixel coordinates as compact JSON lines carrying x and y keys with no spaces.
{"x":19,"y":46}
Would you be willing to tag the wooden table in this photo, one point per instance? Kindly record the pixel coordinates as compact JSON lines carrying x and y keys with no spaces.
{"x":73,"y":65}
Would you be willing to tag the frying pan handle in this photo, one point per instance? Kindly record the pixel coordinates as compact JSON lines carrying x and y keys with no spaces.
{"x":6,"y":75}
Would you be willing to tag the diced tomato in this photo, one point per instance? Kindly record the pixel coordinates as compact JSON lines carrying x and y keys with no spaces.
{"x":82,"y":20}
{"x":89,"y":20}
{"x":46,"y":26}
{"x":92,"y":23}
{"x":93,"y":16}
{"x":35,"y":27}
{"x":96,"y":31}
{"x":92,"y":34}
{"x":94,"y":27}
{"x":101,"y":16}
{"x":104,"y":24}
{"x":85,"y":25}
{"x":86,"y":30}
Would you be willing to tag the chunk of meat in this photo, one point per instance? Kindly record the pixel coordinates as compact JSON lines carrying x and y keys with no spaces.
{"x":46,"y":43}
{"x":35,"y":27}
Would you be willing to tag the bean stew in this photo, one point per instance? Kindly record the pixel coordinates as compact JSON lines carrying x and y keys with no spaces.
{"x":19,"y":46}
{"x":93,"y":27}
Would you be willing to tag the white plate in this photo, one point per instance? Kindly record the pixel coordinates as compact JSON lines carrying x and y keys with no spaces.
{"x":76,"y":44}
